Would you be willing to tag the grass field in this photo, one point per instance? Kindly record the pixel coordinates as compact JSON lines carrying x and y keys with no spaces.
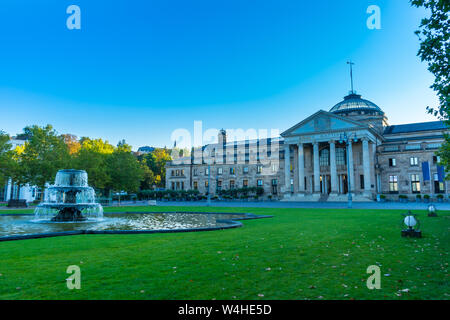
{"x":297,"y":254}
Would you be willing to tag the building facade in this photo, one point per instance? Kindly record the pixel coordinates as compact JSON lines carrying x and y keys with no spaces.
{"x":322,"y":158}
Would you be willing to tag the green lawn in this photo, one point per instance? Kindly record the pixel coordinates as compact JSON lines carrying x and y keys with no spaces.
{"x":297,"y":254}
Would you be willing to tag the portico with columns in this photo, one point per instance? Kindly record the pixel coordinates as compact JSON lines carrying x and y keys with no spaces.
{"x":315,"y":159}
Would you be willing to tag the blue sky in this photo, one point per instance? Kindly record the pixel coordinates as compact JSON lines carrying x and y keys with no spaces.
{"x":138,"y":70}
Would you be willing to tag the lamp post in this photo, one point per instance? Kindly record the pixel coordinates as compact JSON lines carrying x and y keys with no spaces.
{"x":412,"y":223}
{"x":347,"y":140}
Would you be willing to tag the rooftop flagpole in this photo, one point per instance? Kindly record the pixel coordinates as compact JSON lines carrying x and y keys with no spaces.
{"x":351,"y":73}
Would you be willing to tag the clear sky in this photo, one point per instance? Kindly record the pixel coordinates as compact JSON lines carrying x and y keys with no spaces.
{"x":138,"y":70}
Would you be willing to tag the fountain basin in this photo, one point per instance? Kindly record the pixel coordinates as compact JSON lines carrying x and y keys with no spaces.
{"x":19,"y":227}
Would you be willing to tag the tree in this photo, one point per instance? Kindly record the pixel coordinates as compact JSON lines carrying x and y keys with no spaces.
{"x":44,"y":153}
{"x":434,"y":34}
{"x":156,"y":161}
{"x":5,"y":157}
{"x":148,"y":178}
{"x":92,"y":157}
{"x":124,"y":169}
{"x":72,"y":143}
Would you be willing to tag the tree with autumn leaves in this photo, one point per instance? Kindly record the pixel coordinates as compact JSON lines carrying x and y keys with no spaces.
{"x":110,"y":168}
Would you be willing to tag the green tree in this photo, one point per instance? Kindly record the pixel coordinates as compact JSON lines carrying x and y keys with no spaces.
{"x":124,"y":169}
{"x":92,"y":157}
{"x":434,"y":34}
{"x":44,"y":153}
{"x":156,"y":161}
{"x":5,"y":157}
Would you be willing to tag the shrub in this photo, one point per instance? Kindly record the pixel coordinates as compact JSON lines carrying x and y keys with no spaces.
{"x":382,"y":197}
{"x":426,"y":197}
{"x":440,"y":196}
{"x":418,"y":196}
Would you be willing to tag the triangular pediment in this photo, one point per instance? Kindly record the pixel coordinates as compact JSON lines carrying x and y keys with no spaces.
{"x":320,"y":122}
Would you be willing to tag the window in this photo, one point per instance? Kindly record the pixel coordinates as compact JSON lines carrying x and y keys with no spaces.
{"x":195,"y":172}
{"x":361,"y":179}
{"x":434,"y":146}
{"x":173,"y":186}
{"x":340,"y":157}
{"x":414,"y":161}
{"x":182,"y":185}
{"x":393,"y":184}
{"x":232,"y":170}
{"x":219,"y":185}
{"x":436,"y":159}
{"x":195,"y":185}
{"x":415,"y":146}
{"x":292,"y":185}
{"x":173,"y":173}
{"x":274,"y":186}
{"x":206,"y":184}
{"x":415,"y":183}
{"x":219,"y":171}
{"x":274,"y":168}
{"x":177,"y":173}
{"x":259,"y":169}
{"x":178,"y":186}
{"x":439,"y":187}
{"x":245,"y":183}
{"x":206,"y":171}
{"x":392,"y":162}
{"x":245,"y":169}
{"x":232,"y":184}
{"x":391,"y":149}
{"x":182,"y":172}
{"x":259,"y":183}
{"x":324,"y":159}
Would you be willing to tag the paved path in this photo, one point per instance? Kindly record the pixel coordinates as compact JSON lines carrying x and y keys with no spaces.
{"x":325,"y":205}
{"x":278,"y":204}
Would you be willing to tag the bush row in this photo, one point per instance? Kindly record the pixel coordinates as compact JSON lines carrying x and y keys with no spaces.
{"x":169,"y":194}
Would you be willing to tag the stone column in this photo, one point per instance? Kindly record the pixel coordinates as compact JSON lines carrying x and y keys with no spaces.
{"x":367,"y":165}
{"x":301,"y":168}
{"x":316,"y":168}
{"x":287,"y":169}
{"x":350,"y":166}
{"x":333,"y":169}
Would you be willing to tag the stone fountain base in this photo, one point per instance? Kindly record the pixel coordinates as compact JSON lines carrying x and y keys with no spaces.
{"x":69,"y":214}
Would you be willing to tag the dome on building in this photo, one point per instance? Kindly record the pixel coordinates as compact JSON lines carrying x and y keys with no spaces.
{"x":354,"y":103}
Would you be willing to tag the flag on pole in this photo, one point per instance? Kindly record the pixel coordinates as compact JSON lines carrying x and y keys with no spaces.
{"x":426,"y":171}
{"x":441,"y":173}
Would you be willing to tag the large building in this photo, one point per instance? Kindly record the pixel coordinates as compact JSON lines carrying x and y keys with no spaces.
{"x":310,"y":161}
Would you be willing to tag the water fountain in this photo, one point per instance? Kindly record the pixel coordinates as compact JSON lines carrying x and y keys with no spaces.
{"x":70,"y":199}
{"x":70,"y":203}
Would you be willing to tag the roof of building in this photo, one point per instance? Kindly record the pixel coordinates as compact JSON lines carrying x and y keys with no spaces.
{"x":415,"y":127}
{"x":146,"y":149}
{"x":354,"y":102}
